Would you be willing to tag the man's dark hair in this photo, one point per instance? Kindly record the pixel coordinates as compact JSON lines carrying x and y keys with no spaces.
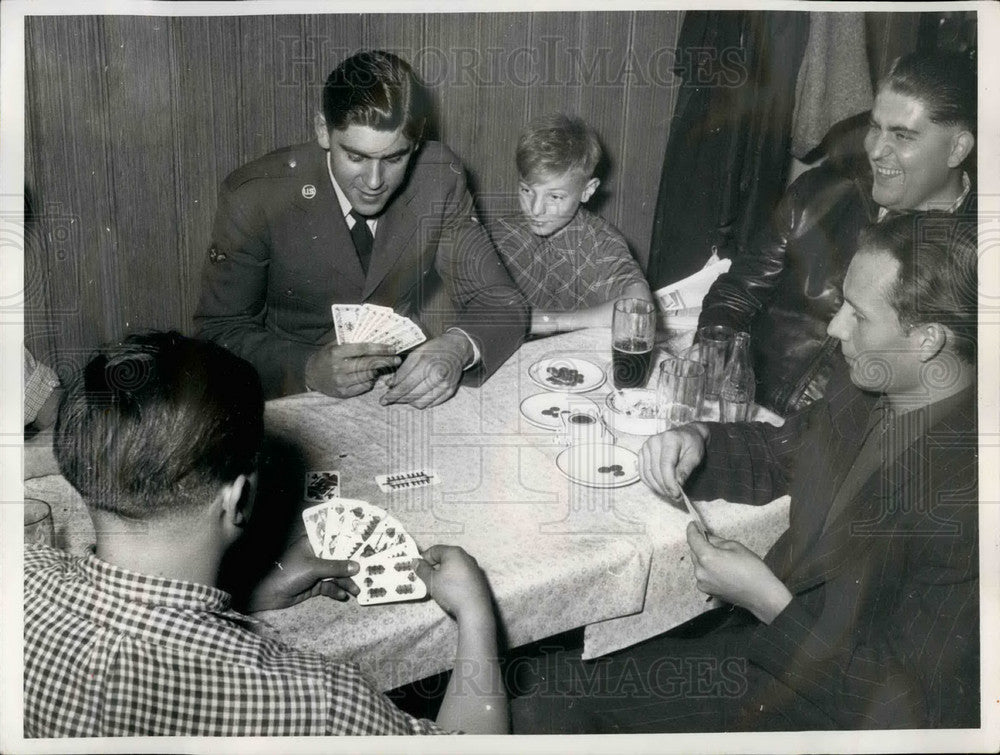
{"x":376,"y":89}
{"x":945,"y":82}
{"x":937,"y":281}
{"x":156,"y":423}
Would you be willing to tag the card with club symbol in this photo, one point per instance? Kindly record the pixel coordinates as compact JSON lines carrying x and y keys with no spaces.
{"x":347,"y":529}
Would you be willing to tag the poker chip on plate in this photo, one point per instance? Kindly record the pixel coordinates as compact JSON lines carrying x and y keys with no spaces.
{"x":567,"y":374}
{"x":599,"y":465}
{"x":544,"y":409}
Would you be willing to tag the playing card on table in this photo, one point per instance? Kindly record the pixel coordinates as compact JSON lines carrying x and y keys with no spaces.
{"x":320,"y":520}
{"x":406,"y":480}
{"x":345,"y":320}
{"x":388,"y":580}
{"x":356,"y":525}
{"x":321,"y":486}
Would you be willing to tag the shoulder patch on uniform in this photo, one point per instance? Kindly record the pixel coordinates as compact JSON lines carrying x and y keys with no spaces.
{"x":282,"y":163}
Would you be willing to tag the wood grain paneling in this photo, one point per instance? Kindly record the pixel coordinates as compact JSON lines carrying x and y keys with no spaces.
{"x":69,"y":185}
{"x":134,"y":121}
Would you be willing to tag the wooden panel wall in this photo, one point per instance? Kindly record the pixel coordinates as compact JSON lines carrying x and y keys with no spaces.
{"x":133,"y":122}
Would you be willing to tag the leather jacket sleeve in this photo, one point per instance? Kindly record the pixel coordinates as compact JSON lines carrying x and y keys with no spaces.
{"x":739,"y":295}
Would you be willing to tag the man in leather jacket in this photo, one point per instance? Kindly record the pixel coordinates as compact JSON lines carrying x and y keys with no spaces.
{"x":787,"y":288}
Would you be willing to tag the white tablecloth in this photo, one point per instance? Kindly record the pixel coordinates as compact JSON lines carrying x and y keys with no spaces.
{"x":558,"y":555}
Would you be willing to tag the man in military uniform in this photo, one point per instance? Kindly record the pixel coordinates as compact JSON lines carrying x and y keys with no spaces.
{"x":367,"y":213}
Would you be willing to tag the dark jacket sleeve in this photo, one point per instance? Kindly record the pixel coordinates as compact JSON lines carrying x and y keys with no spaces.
{"x":490,"y":307}
{"x":748,"y":462}
{"x":738,"y":295}
{"x":917,"y":667}
{"x":234,"y":295}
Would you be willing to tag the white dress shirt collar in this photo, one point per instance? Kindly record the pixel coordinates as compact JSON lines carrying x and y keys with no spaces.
{"x":345,"y":203}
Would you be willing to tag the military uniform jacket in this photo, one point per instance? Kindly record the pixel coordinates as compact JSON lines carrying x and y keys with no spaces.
{"x":281,"y":254}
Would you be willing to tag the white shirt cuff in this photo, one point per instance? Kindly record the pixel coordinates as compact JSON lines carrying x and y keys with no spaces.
{"x":472,"y":341}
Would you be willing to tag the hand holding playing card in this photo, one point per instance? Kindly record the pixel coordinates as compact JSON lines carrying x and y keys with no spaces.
{"x":731,"y":571}
{"x":300,"y":575}
{"x":668,"y":459}
{"x":350,"y":369}
{"x":431,"y":373}
{"x":344,"y":528}
{"x":456,"y":582}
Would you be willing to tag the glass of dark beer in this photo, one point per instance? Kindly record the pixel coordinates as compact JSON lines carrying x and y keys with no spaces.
{"x":633,"y":328}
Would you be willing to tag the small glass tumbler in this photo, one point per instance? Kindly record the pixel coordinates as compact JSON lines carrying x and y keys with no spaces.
{"x":680,"y":390}
{"x":711,"y":348}
{"x":38,"y":526}
{"x":735,"y":405}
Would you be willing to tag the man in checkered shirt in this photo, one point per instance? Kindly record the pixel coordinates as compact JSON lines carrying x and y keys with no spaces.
{"x":160,"y":436}
{"x":570,"y":264}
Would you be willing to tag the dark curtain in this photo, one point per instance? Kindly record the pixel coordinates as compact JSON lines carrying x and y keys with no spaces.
{"x":727,"y":156}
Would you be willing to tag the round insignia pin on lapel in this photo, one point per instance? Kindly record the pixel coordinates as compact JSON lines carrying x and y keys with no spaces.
{"x":309,"y":191}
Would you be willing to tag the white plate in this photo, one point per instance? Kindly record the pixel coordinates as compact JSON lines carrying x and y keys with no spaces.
{"x":543,"y":409}
{"x":599,"y":465}
{"x":634,"y":411}
{"x":567,"y":374}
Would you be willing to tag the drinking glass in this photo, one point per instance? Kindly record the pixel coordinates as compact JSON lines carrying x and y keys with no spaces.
{"x":734,"y":404}
{"x":38,"y":526}
{"x":711,"y":348}
{"x":633,"y":329}
{"x":681,"y":390}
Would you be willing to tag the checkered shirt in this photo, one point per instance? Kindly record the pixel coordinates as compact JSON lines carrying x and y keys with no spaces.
{"x":39,"y":382}
{"x":583,"y":265}
{"x":109,"y":652}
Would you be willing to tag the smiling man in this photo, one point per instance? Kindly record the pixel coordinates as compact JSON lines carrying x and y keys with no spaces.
{"x":865,"y":613}
{"x":368,"y":213}
{"x":786,"y":287}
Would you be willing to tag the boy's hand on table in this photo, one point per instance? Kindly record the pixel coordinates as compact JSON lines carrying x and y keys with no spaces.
{"x":350,"y":369}
{"x":300,"y":575}
{"x":668,"y":459}
{"x":455,"y":581}
{"x":731,"y":571}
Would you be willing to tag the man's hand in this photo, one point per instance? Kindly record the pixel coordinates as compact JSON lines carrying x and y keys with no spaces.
{"x":731,"y":571}
{"x":349,"y":369}
{"x":298,"y":576}
{"x":456,"y":582}
{"x":667,"y":460}
{"x":431,"y":373}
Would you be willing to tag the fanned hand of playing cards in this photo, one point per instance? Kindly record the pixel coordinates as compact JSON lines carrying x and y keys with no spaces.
{"x":370,"y":323}
{"x":343,"y":528}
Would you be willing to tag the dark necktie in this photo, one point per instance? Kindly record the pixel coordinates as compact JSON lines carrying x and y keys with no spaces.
{"x":363,"y":239}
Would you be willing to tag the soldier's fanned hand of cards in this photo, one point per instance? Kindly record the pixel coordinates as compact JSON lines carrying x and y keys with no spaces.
{"x":370,"y":323}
